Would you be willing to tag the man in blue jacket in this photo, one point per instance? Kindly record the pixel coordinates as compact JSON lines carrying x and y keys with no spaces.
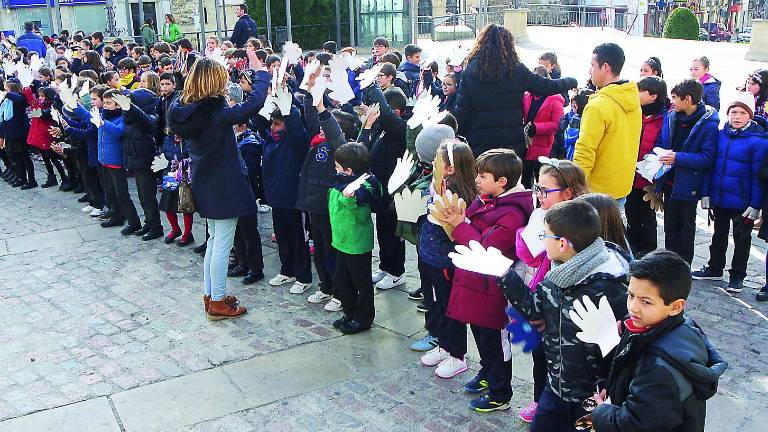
{"x":735,"y":192}
{"x":30,"y":40}
{"x":245,"y":27}
{"x":691,"y":133}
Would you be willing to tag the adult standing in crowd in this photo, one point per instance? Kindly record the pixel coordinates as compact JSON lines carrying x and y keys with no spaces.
{"x":31,"y":41}
{"x":148,"y":34}
{"x":610,"y":127}
{"x":245,"y":27}
{"x":218,"y":177}
{"x":171,"y":30}
{"x":489,"y":106}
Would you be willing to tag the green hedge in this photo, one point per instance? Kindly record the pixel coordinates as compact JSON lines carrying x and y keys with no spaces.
{"x":681,"y":24}
{"x":312,"y":21}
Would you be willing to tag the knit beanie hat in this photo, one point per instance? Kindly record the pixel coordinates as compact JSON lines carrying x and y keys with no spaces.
{"x":744,"y":100}
{"x":235,"y":92}
{"x":429,"y":140}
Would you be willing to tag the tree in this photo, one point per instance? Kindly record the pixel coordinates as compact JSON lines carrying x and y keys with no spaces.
{"x":312,"y":21}
{"x":681,"y":24}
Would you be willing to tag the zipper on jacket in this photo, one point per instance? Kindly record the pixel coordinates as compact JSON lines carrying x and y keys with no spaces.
{"x":727,"y":150}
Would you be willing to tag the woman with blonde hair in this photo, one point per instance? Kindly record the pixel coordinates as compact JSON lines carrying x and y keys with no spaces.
{"x":218,"y":178}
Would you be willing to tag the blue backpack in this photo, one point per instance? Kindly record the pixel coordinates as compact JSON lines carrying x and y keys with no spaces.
{"x":6,"y":110}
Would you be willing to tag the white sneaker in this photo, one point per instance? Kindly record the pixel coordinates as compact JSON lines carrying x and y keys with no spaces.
{"x":280,"y":280}
{"x":95,"y":212}
{"x":450,"y":367}
{"x":434,"y":356}
{"x":390,"y":282}
{"x":300,"y":287}
{"x":378,"y":275}
{"x":333,"y":306}
{"x":318,"y":297}
{"x":87,"y":209}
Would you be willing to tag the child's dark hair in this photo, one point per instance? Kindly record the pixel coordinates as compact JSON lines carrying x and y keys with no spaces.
{"x":13,"y":86}
{"x":144,"y":60}
{"x":105,"y":77}
{"x":689,"y":87}
{"x":271,"y":59}
{"x":90,"y":74}
{"x":46,"y":72}
{"x":381,"y":40}
{"x":654,"y":86}
{"x":395,"y":98}
{"x":462,"y":181}
{"x":581,"y":99}
{"x":449,"y":120}
{"x":138,"y":50}
{"x":551,"y":58}
{"x":500,"y":163}
{"x":353,"y":155}
{"x":667,"y":271}
{"x":567,"y":175}
{"x":330,"y":46}
{"x":109,"y":94}
{"x":612,"y":227}
{"x":391,"y":57}
{"x":655,"y":64}
{"x":48,"y":93}
{"x":127,"y":64}
{"x":576,"y":221}
{"x":99,"y":90}
{"x":349,"y":124}
{"x":411,"y":50}
{"x":167,"y":76}
{"x":388,"y":69}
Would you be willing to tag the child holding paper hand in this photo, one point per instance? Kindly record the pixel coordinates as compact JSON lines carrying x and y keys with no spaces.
{"x":559,"y":180}
{"x":503,"y":207}
{"x":663,"y":367}
{"x":582,"y":264}
{"x":349,"y":207}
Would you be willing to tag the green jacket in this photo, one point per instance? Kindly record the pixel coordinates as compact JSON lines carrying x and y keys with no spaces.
{"x":172,"y":33}
{"x":351,"y":223}
{"x":148,"y":35}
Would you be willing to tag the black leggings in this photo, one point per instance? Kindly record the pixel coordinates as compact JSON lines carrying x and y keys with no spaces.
{"x":51,"y":159}
{"x":23,"y":166}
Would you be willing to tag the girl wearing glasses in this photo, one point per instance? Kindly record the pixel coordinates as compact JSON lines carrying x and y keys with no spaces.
{"x":559,"y":181}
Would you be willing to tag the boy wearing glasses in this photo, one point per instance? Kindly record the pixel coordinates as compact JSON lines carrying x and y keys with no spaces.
{"x":582,"y":265}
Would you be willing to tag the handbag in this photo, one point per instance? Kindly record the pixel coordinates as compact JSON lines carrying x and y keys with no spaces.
{"x":186,"y":198}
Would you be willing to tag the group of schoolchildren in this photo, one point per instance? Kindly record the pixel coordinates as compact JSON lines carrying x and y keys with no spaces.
{"x":324,"y":162}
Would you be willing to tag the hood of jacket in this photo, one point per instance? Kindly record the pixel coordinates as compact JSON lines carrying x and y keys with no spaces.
{"x":693,"y":355}
{"x":189,"y":121}
{"x":623,"y":93}
{"x":144,"y":99}
{"x":409,"y":67}
{"x":617,"y":266}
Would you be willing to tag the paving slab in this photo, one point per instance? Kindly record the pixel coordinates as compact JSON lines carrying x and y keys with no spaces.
{"x":44,"y":240}
{"x":93,"y":415}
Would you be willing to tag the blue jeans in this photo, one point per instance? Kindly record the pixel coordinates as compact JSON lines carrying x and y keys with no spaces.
{"x":222,"y":233}
{"x":554,"y":414}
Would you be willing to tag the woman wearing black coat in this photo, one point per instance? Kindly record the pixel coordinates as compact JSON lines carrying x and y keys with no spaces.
{"x":489,"y":106}
{"x":219,"y":178}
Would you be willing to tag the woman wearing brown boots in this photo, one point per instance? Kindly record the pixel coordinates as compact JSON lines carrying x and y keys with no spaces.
{"x":219,"y":180}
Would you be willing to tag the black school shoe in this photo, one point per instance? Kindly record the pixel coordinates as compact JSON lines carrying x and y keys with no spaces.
{"x":762,"y":295}
{"x":341,"y":321}
{"x":29,"y":185}
{"x":109,"y":223}
{"x":130,"y":229}
{"x":353,"y":327}
{"x":237,"y":271}
{"x":201,"y":248}
{"x":735,"y":286}
{"x":417,"y":294}
{"x":145,"y":229}
{"x":152,"y":234}
{"x":253,"y":277}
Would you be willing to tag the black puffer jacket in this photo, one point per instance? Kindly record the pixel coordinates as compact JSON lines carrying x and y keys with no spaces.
{"x":572,"y":365}
{"x":490,"y":113}
{"x":140,"y":129}
{"x":660,"y":380}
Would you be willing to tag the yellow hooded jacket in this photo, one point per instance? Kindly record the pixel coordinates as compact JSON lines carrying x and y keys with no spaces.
{"x":609,"y":139}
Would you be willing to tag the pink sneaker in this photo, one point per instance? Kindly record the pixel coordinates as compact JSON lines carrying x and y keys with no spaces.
{"x":528,"y":413}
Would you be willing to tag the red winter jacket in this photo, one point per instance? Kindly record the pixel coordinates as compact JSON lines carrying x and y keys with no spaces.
{"x":38,"y":136}
{"x":475,"y":298}
{"x":652,"y":125}
{"x":547,"y":122}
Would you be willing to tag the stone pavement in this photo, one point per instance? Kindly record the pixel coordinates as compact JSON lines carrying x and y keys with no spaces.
{"x":105,"y":333}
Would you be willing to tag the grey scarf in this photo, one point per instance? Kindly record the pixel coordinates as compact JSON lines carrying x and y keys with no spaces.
{"x":580,"y":266}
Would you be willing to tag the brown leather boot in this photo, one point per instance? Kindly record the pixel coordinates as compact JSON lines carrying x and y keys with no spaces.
{"x":206,"y":300}
{"x":219,"y":310}
{"x":230,"y":300}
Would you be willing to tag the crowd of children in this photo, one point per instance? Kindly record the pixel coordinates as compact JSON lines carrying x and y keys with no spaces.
{"x":527,"y":231}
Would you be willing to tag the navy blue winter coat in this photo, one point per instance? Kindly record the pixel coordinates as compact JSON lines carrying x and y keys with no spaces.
{"x":219,"y":176}
{"x":696,"y":156}
{"x":18,"y":126}
{"x":245,"y":28}
{"x":412,"y":74}
{"x":282,"y":160}
{"x":734,"y":183}
{"x":85,"y":131}
{"x":140,"y":129}
{"x":711,"y":95}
